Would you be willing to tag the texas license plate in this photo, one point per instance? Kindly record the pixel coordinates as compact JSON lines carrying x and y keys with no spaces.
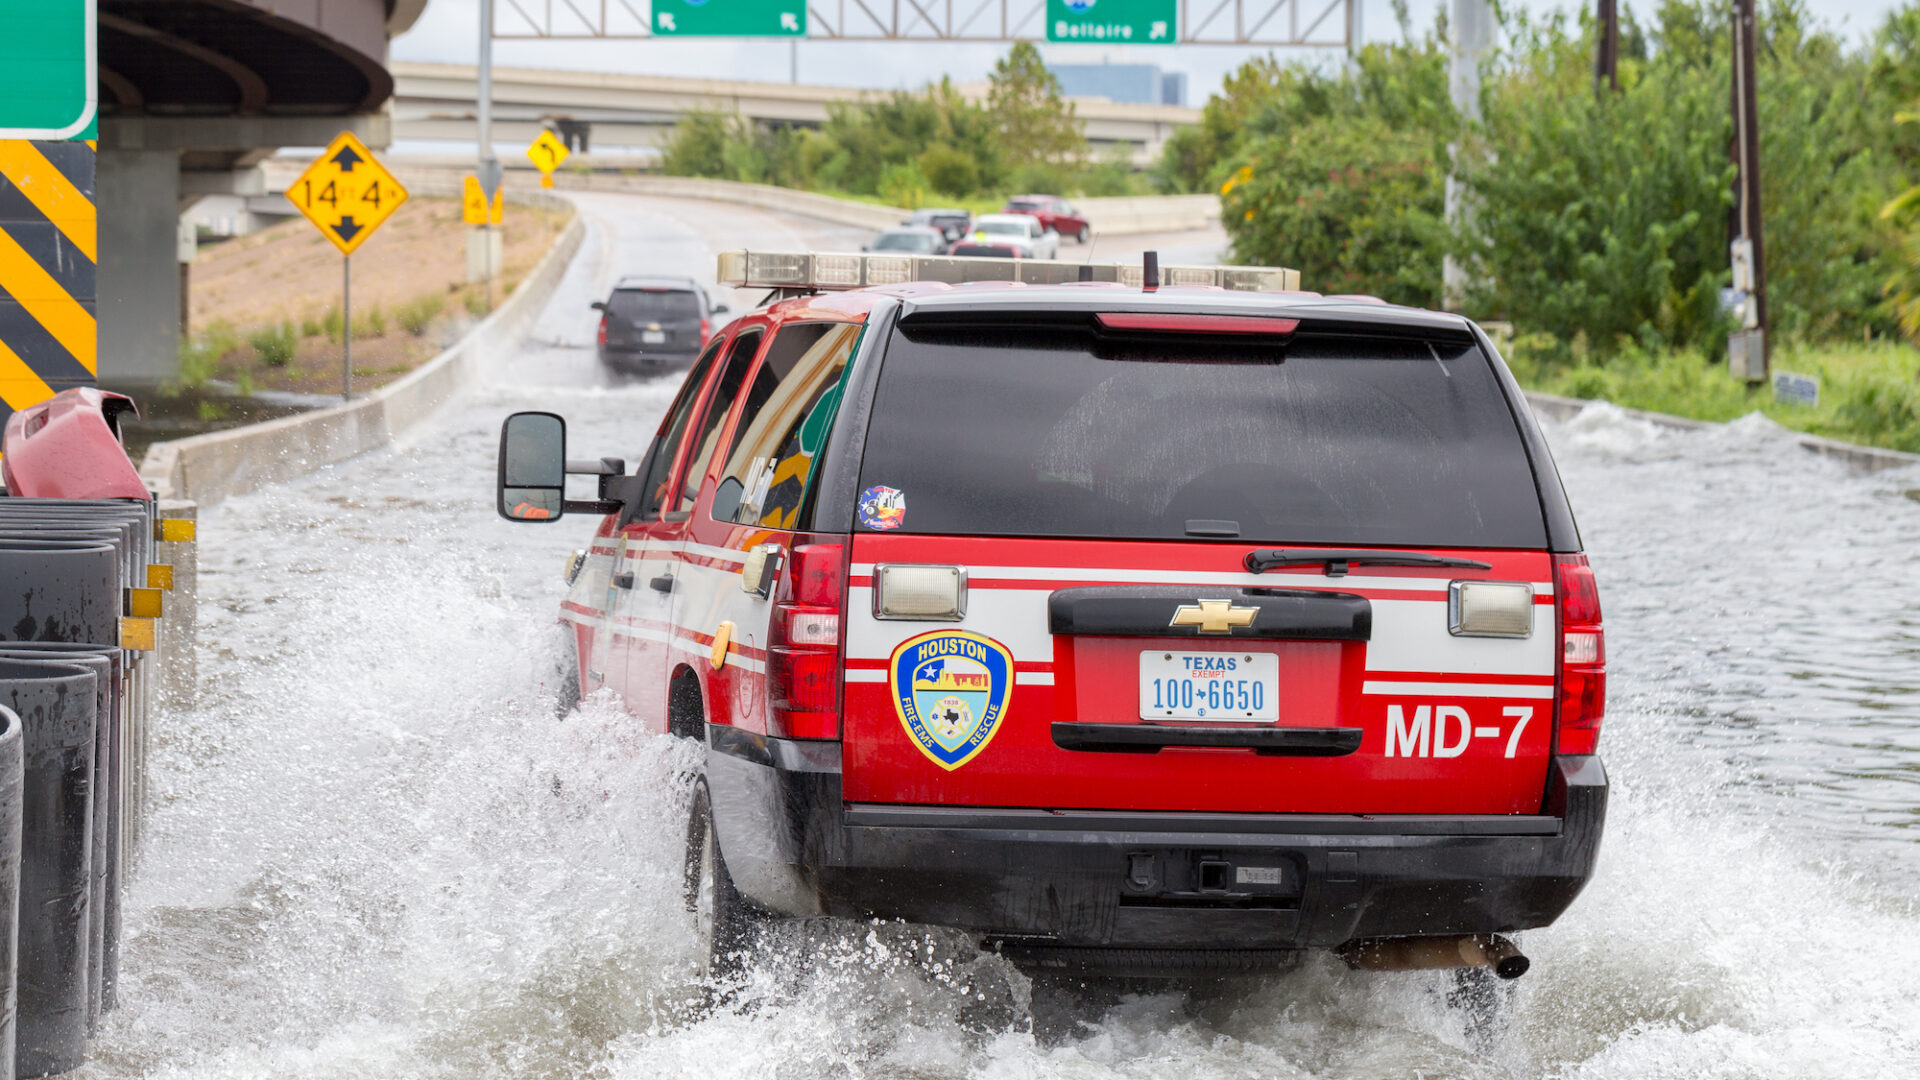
{"x":653,"y":337}
{"x":1222,"y":686}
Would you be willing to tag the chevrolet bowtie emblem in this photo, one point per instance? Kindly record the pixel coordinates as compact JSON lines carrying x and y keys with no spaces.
{"x":1213,"y":616}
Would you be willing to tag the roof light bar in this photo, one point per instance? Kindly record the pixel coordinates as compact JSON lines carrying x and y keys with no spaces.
{"x":833,"y":271}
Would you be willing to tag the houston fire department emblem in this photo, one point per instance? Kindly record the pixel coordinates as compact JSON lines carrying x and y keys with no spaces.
{"x":950,"y":689}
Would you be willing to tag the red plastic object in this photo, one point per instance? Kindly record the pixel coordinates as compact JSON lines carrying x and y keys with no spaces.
{"x":1197,"y":324}
{"x":68,"y":447}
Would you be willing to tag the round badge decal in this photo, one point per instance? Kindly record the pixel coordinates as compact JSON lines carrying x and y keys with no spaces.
{"x":950,"y":690}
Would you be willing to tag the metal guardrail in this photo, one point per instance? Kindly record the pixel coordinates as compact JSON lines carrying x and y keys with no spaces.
{"x":87,"y":631}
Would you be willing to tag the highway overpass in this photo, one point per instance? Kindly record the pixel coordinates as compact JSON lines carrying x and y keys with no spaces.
{"x":193,"y":95}
{"x":435,"y":102}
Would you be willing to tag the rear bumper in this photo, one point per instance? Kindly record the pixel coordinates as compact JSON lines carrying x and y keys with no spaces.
{"x":1057,"y":882}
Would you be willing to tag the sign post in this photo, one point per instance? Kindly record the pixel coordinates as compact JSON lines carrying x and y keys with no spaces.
{"x":347,"y":194}
{"x":547,"y":154}
{"x":730,"y":18}
{"x":1114,"y":22}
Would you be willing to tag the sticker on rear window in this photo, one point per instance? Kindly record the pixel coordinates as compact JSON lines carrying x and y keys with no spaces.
{"x":950,"y":690}
{"x":883,"y":508}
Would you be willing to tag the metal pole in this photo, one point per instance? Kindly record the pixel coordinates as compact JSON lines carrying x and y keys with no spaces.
{"x":1606,"y":59}
{"x":793,"y":60}
{"x":346,"y":328}
{"x":489,"y":167}
{"x":1746,"y":126}
{"x":1471,"y":31}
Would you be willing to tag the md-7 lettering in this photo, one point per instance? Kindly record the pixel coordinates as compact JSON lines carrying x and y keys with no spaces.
{"x":1446,"y":731}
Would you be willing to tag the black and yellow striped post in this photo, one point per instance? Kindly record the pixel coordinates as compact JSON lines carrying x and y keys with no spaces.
{"x":48,"y":229}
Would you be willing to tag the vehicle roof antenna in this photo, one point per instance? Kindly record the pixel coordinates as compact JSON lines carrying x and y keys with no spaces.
{"x":1150,"y":270}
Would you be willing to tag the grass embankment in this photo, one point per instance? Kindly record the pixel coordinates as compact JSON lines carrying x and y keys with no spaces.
{"x":265,"y":308}
{"x":1869,"y":393}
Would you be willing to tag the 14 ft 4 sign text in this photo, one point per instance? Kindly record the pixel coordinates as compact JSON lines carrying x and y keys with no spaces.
{"x":346,"y":193}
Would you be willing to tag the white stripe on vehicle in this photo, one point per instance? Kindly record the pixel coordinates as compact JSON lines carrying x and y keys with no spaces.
{"x":1443,"y":689}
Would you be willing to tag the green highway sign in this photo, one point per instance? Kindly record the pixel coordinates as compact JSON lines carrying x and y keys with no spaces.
{"x":48,"y":77}
{"x":730,"y":18}
{"x":1113,"y":22}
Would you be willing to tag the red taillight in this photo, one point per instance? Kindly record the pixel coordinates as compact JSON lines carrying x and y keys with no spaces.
{"x":603,"y":330}
{"x":1582,"y":702}
{"x":804,"y":669}
{"x":706,"y":331}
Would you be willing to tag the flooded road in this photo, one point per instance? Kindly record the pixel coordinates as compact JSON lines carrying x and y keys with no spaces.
{"x":378,"y":854}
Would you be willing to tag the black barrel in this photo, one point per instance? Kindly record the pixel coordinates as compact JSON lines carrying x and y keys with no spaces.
{"x":11,"y":767}
{"x":103,"y":932}
{"x":55,"y":703}
{"x":59,"y":590}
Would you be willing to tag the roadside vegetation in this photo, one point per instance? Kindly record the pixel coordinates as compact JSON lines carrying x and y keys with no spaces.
{"x":266,"y":312}
{"x":1598,"y":223}
{"x":936,"y":146}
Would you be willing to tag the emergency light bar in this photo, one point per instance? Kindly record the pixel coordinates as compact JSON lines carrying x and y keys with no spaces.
{"x":827,"y":271}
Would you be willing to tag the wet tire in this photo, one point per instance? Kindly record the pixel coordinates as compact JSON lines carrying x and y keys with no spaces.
{"x":725,"y":929}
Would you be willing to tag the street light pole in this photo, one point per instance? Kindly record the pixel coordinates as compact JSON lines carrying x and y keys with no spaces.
{"x":489,"y":167}
{"x":1749,"y":348}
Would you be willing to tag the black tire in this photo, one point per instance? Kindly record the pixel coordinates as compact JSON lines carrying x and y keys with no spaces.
{"x":1085,"y":235}
{"x":720,"y":917}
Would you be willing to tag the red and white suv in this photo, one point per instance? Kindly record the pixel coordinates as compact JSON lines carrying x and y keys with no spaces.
{"x":1132,"y":629}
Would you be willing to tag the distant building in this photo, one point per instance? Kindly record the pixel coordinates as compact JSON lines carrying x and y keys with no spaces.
{"x":1133,"y":84}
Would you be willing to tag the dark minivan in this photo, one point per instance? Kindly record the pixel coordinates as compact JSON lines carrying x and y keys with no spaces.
{"x":654,"y":323}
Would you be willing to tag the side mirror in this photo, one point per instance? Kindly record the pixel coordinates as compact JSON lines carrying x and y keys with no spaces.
{"x":721,"y":309}
{"x":533,"y":467}
{"x":598,"y":305}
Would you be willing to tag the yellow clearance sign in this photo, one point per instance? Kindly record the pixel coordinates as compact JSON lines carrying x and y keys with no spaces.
{"x":346,"y":193}
{"x":473,"y":204}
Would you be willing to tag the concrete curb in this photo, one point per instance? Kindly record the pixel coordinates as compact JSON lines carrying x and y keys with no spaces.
{"x":208,"y":468}
{"x":1129,"y":216}
{"x":1870,"y":458}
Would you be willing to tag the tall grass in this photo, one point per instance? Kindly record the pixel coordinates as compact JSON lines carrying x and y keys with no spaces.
{"x":1868,"y":393}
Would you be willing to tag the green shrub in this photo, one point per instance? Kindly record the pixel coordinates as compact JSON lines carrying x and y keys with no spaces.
{"x":372,"y":324}
{"x":949,"y":171}
{"x":416,"y":316}
{"x":275,"y":344}
{"x":903,"y":185}
{"x":331,"y":324}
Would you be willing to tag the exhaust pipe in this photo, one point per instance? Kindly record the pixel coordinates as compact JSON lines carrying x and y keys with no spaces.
{"x":1430,"y":953}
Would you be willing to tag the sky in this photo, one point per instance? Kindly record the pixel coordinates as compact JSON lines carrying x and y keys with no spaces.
{"x":449,"y":32}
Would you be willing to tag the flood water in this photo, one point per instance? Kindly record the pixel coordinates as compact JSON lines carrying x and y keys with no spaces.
{"x":378,"y":854}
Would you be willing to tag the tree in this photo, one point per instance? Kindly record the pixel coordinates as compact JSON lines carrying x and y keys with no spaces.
{"x":1035,"y":124}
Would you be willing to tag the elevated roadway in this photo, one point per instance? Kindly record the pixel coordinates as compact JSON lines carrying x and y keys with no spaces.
{"x":436,"y":102}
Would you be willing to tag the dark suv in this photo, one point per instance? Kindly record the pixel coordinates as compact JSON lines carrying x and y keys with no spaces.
{"x":1130,"y":629}
{"x":653,"y":323}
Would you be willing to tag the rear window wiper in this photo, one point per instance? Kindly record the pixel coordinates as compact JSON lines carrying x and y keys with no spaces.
{"x":1338,"y":560}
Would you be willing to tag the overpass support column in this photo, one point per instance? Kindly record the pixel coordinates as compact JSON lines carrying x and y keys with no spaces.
{"x":139,"y":266}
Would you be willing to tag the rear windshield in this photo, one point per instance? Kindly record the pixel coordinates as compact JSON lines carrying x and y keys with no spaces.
{"x":903,"y":242}
{"x":1325,"y":440}
{"x":1003,"y":228}
{"x":654,"y":305}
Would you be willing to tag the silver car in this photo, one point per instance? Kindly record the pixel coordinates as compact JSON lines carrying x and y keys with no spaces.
{"x":1021,"y":231}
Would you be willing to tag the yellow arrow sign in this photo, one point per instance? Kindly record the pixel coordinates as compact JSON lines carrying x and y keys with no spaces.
{"x":547,"y":153}
{"x":346,"y":193}
{"x":473,"y":202}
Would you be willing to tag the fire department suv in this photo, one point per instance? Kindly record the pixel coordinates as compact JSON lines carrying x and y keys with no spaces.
{"x":1132,"y":627}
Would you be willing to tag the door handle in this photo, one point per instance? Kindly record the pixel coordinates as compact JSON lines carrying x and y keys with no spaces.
{"x":663,"y":583}
{"x":623,"y":581}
